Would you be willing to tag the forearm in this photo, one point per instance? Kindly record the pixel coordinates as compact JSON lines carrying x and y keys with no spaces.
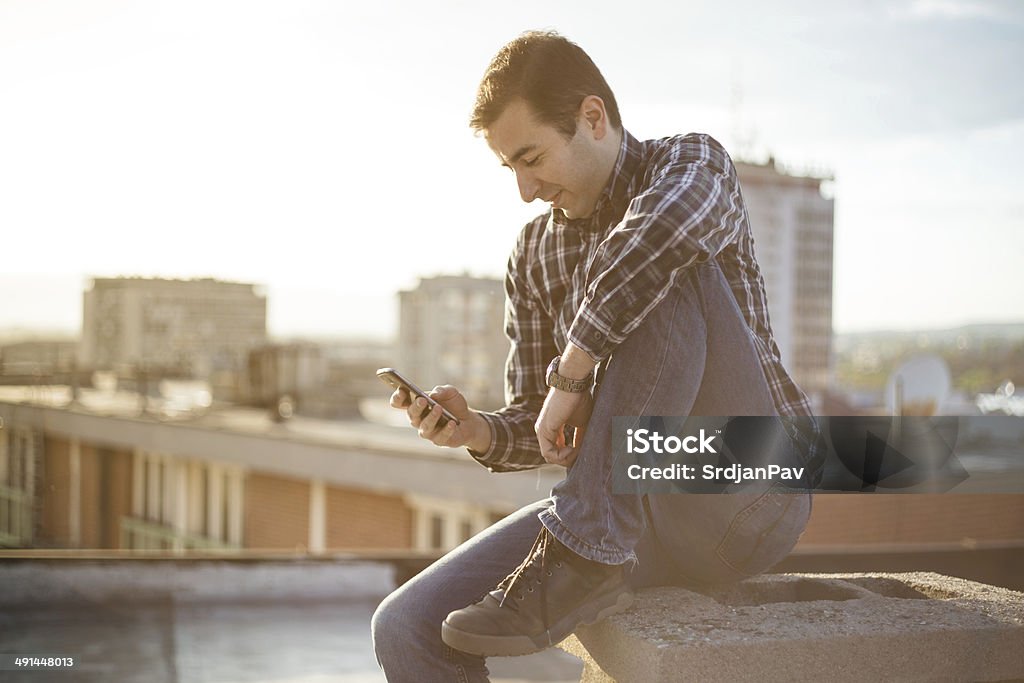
{"x":575,"y":363}
{"x":481,"y":438}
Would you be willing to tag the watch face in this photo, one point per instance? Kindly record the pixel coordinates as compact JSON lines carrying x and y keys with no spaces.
{"x":551,"y":378}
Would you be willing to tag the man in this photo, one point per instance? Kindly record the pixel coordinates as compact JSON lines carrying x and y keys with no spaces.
{"x":637,"y":294}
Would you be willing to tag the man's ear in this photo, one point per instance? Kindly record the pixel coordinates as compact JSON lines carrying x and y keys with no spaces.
{"x":593,"y":116}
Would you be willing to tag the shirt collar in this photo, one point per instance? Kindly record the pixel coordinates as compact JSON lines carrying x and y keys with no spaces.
{"x":611,"y":204}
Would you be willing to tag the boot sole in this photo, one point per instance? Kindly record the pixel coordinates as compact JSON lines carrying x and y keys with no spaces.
{"x":514,"y":646}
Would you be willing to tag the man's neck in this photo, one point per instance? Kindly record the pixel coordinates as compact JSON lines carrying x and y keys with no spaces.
{"x":611,"y":152}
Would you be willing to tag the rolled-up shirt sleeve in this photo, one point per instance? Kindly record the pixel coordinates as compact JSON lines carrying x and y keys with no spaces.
{"x":689,"y":212}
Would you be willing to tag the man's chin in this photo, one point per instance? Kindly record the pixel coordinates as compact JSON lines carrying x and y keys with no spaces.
{"x":574,"y":215}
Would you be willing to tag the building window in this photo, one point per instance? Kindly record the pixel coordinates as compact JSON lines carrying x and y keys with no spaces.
{"x":182,"y":504}
{"x":436,"y":532}
{"x":18,"y":453}
{"x":465,"y":530}
{"x":444,"y":524}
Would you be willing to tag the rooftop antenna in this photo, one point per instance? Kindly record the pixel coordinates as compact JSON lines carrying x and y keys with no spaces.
{"x":919,"y":386}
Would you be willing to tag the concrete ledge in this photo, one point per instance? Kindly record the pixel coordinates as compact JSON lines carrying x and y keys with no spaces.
{"x":28,"y":583}
{"x":785,"y":627}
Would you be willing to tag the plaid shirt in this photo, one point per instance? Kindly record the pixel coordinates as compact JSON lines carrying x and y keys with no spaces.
{"x":669,"y":204}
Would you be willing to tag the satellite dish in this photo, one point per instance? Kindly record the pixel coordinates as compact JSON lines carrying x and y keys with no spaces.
{"x":919,"y":386}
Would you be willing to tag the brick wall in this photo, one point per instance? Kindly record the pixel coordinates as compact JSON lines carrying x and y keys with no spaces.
{"x":360,"y":519}
{"x":844,"y":519}
{"x":106,"y":495}
{"x":276,"y":512}
{"x":118,"y":495}
{"x":91,"y":512}
{"x":52,"y":488}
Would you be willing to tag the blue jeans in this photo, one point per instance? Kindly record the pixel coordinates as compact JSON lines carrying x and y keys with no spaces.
{"x":692,"y":355}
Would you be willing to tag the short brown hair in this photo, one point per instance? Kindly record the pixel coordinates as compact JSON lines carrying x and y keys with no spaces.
{"x":550,"y":73}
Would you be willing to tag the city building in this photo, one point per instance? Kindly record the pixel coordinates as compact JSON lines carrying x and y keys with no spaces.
{"x":201,"y":328}
{"x":98,"y":474}
{"x":451,"y":331}
{"x":792,"y":223}
{"x":95,"y":474}
{"x":40,"y":361}
{"x":276,"y":370}
{"x":315,"y":380}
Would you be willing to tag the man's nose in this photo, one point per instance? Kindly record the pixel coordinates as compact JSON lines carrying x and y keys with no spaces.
{"x":528,"y":186}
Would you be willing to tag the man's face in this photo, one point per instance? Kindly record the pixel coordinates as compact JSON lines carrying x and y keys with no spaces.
{"x":564,"y":173}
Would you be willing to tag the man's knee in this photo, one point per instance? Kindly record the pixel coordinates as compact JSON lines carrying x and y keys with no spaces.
{"x":397,"y":625}
{"x":382,"y":627}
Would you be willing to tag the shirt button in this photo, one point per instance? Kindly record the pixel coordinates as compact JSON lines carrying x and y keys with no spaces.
{"x":597,"y":336}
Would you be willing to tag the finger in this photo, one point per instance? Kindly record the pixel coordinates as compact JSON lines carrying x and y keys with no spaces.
{"x":429,"y":422}
{"x":553,"y":454}
{"x":444,"y":436}
{"x":442,"y":392}
{"x":562,"y":456}
{"x":547,"y":450}
{"x":400,"y":398}
{"x":547,"y":445}
{"x":416,"y":410}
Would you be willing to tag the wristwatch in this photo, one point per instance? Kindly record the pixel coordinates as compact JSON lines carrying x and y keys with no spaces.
{"x":573,"y":386}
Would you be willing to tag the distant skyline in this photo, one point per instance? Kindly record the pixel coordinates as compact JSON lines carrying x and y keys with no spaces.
{"x":321,"y":150}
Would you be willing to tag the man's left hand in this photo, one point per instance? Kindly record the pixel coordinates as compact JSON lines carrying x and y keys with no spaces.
{"x":562,"y":409}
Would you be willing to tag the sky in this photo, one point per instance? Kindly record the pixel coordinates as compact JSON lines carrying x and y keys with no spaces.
{"x":321,"y":149}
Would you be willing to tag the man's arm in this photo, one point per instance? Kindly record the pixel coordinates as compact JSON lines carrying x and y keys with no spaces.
{"x":563,"y":408}
{"x":689,"y":212}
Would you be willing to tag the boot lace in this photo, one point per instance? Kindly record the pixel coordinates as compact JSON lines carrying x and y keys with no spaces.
{"x":531,"y":574}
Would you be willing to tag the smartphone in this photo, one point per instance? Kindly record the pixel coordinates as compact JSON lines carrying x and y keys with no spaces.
{"x":394,"y":379}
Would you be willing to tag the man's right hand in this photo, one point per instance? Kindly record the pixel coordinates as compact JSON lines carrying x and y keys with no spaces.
{"x":472,"y":433}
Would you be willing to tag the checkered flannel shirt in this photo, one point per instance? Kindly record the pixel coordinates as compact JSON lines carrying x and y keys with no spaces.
{"x":669,"y":204}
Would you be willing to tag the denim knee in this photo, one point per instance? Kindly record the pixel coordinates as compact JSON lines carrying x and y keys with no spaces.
{"x":408,"y":646}
{"x":398,"y":630}
{"x":384,"y":629}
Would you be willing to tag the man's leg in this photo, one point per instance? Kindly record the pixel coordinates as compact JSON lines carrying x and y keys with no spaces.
{"x":691,"y":355}
{"x":407,"y":625}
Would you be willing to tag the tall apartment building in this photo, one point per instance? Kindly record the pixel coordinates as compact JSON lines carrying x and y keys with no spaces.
{"x":792,"y":223}
{"x":451,"y":331}
{"x":199,"y":327}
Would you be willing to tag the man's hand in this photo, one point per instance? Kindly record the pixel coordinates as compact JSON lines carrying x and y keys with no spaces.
{"x":473,"y":432}
{"x":562,"y":408}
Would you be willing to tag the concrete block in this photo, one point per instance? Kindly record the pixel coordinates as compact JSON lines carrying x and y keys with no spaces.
{"x":836,"y":627}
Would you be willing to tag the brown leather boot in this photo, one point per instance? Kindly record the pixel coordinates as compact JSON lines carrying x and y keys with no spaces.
{"x":551,"y":593}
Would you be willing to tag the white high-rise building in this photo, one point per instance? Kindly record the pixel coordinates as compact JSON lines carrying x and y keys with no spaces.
{"x":451,"y":331}
{"x":792,"y":223}
{"x":200,"y":327}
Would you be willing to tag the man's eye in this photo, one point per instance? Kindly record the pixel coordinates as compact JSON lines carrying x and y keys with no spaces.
{"x":529,"y":163}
